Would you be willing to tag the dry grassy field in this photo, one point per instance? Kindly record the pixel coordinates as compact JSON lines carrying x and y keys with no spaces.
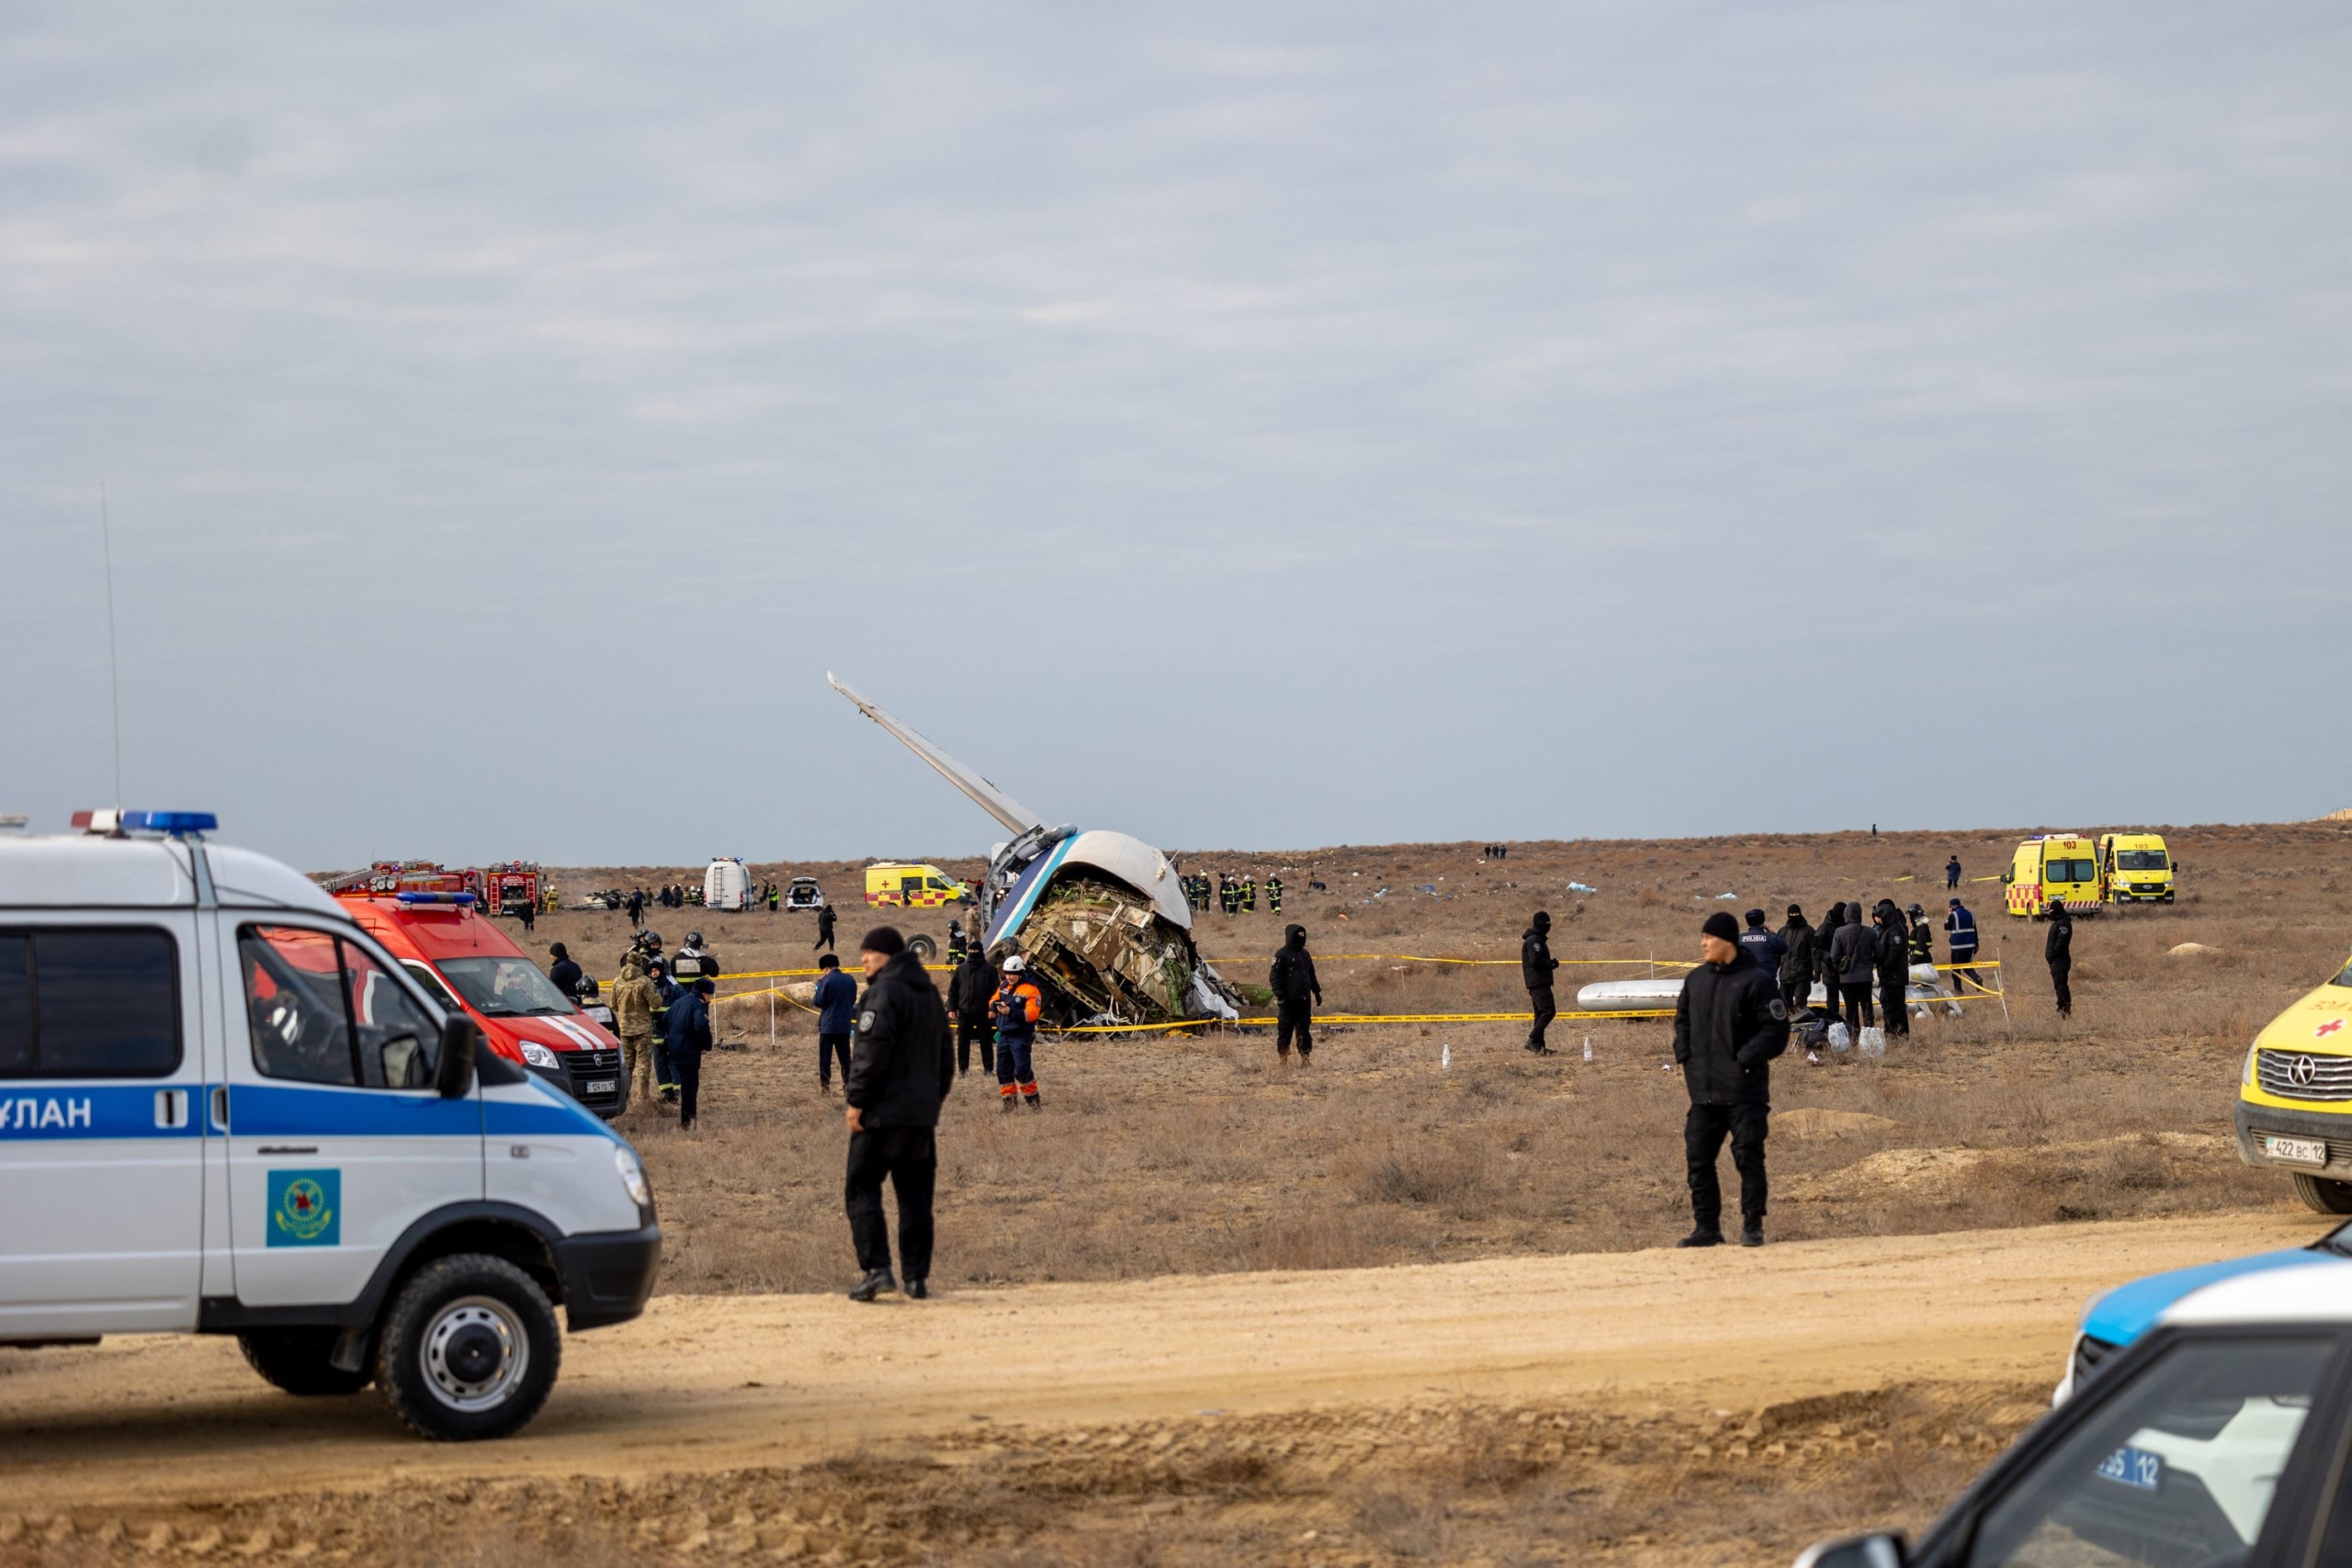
{"x":735,"y":1423}
{"x":1160,"y":1154}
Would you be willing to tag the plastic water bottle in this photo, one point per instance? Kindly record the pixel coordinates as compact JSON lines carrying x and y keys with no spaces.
{"x":1588,"y":1047}
{"x":1445,"y":1056}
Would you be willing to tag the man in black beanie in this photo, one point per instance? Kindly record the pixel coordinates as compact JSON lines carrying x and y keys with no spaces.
{"x":901,"y":1065}
{"x":1729,"y":1023}
{"x":1536,"y":966}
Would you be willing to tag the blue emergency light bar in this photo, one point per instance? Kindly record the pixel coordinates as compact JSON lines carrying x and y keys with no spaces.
{"x":173,"y":822}
{"x":435,"y":897}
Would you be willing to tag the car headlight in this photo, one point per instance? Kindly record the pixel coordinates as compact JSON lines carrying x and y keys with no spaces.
{"x":640,"y":1191}
{"x":539,"y":1055}
{"x":2246,"y":1075}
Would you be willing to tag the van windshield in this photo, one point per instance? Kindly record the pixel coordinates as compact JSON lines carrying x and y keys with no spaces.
{"x":2139,"y":860}
{"x":2344,"y":977}
{"x":506,"y":988}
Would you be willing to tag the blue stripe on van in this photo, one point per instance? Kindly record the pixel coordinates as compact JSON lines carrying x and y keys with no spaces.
{"x":2128,"y":1311}
{"x":329,"y":1111}
{"x":33,"y":1112}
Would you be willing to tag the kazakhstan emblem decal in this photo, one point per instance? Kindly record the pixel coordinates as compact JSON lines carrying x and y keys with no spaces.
{"x":305,"y":1208}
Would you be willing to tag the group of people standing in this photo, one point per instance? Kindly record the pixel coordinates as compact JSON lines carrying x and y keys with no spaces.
{"x":1862,"y":962}
{"x":661,"y":1011}
{"x":1231,"y":894}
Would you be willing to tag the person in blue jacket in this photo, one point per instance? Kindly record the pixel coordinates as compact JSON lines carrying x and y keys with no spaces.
{"x":1960,"y":929}
{"x":689,"y":1039}
{"x":665,"y":1076}
{"x":836,"y":1001}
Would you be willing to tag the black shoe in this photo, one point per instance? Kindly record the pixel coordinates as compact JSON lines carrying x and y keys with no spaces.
{"x":668,"y":1096}
{"x":1701,"y":1238}
{"x":1005,"y":1102}
{"x":877,"y":1280}
{"x":1752,"y":1236}
{"x":918,"y":1291}
{"x":1539,"y":1051}
{"x":1035,"y":1102}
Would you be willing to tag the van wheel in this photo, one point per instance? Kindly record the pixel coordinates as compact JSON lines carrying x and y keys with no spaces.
{"x":295,"y":1359}
{"x":468,"y":1349}
{"x":925,"y":948}
{"x":2324,"y":1196}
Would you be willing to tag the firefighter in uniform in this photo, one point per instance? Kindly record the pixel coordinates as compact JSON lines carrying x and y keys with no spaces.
{"x":694,"y":962}
{"x":1014,"y":1010}
{"x":1250,"y":893}
{"x":1923,"y":937}
{"x":1274,"y":895}
{"x":664,"y":1078}
{"x":957,"y":944}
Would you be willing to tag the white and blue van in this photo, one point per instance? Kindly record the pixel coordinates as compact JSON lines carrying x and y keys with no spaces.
{"x":225,"y":1110}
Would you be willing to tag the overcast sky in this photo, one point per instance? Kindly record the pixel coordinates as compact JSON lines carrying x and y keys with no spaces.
{"x":1240,"y":425}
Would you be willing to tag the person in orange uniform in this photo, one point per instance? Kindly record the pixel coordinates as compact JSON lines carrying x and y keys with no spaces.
{"x":1014,"y":1011}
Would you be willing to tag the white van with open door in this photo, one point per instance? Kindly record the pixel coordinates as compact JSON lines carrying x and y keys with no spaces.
{"x":225,"y":1108}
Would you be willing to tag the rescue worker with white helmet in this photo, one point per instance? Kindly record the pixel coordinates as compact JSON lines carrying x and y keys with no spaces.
{"x":1014,"y":1011}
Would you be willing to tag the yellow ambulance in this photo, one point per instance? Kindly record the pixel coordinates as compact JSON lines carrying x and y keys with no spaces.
{"x":2135,"y":868}
{"x":2294,"y":1110}
{"x":2063,"y":866}
{"x":914,"y":887}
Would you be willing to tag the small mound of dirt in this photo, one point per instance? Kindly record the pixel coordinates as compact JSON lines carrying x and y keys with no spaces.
{"x":1811,"y":1123}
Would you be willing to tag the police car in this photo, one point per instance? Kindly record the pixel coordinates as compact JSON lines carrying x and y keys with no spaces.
{"x":2216,"y":1432}
{"x":225,"y":1108}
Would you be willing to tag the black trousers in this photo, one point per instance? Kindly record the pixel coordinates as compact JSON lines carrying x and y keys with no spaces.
{"x":1540,"y":997}
{"x":966,"y":1031}
{"x":909,"y":1157}
{"x":1859,"y":1011}
{"x":1891,"y":1001}
{"x":1830,"y":991}
{"x":824,"y":940}
{"x":1294,"y":1018}
{"x":2065,"y":993}
{"x":828,"y":1044}
{"x":1960,"y":977}
{"x":688,"y":1065}
{"x":1702,"y":1140}
{"x":1793,"y":994}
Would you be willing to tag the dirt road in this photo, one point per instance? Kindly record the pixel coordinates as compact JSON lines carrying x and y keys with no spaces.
{"x":710,"y":1383}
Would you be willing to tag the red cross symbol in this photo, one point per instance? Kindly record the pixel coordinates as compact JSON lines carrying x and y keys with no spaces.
{"x":2330,"y":1027}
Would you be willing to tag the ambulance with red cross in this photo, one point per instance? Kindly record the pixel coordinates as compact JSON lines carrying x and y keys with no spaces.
{"x":2063,"y":866}
{"x":227,"y":1108}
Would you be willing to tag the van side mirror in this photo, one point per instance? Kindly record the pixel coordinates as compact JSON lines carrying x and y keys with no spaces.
{"x":2007,"y":875}
{"x":453,"y":1069}
{"x":1883,"y":1551}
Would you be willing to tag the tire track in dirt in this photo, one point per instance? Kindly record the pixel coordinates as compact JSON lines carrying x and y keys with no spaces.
{"x":708,"y":1383}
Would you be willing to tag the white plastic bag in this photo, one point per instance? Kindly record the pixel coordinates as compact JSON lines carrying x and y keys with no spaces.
{"x":1873,"y":1041}
{"x":1838,"y":1039}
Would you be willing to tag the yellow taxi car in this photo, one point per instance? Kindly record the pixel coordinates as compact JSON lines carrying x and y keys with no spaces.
{"x":2294,"y":1110}
{"x":2135,"y":868}
{"x":2063,"y":866}
{"x":914,"y":887}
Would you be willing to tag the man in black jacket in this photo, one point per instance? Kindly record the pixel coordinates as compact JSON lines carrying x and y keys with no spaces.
{"x":969,"y":990}
{"x":1853,"y":953}
{"x":1536,"y":966}
{"x":1292,"y":978}
{"x":901,"y":1065}
{"x":1796,"y":963}
{"x":1729,"y":1023}
{"x":2059,"y":949}
{"x":1893,"y":967}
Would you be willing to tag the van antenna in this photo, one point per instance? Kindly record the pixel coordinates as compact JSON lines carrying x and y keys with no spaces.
{"x":113,"y":676}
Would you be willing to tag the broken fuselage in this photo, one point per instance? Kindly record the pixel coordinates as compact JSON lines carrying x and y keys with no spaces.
{"x":1099,"y":916}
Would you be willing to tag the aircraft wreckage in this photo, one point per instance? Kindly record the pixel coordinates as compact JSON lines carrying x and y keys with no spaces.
{"x":1100,"y":917}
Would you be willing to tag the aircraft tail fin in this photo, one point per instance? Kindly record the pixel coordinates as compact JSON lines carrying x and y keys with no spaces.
{"x":1016,"y":818}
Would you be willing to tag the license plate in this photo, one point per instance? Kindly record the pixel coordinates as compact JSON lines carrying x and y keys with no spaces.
{"x":2297,"y":1151}
{"x":600,"y":1086}
{"x":2135,"y":1468}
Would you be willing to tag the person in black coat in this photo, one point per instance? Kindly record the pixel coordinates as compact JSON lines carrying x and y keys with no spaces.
{"x":901,"y":1066}
{"x":1893,"y":967}
{"x":1824,"y":961}
{"x":565,"y":971}
{"x":1853,"y":953}
{"x":1536,"y":966}
{"x":1296,"y":995}
{"x":1796,"y":961}
{"x":2058,"y":947}
{"x":1729,"y":1023}
{"x":969,"y":990}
